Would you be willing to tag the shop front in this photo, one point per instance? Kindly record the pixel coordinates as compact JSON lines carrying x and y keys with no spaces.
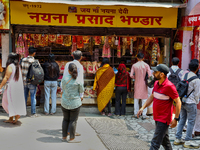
{"x":117,"y":32}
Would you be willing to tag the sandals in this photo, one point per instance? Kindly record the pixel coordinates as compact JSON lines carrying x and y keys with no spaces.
{"x":73,"y":141}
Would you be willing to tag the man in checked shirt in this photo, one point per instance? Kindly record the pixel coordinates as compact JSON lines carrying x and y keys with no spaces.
{"x":26,"y":62}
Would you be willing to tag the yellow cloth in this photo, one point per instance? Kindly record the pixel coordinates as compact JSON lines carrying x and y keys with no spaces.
{"x":104,"y":96}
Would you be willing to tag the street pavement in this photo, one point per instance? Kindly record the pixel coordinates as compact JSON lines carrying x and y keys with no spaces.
{"x":44,"y":132}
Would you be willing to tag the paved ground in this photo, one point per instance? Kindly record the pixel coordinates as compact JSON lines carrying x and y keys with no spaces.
{"x":44,"y":132}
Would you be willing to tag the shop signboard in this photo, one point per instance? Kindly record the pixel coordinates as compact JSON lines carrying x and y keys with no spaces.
{"x":193,"y":20}
{"x":27,"y":13}
{"x":4,"y":15}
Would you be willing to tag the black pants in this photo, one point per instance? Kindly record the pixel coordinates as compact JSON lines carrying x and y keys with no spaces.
{"x":109,"y":107}
{"x":120,"y":93}
{"x":161,"y":137}
{"x":70,"y":117}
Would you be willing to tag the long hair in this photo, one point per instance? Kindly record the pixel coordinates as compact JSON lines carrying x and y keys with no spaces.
{"x":52,"y":70}
{"x":73,"y":70}
{"x":13,"y":58}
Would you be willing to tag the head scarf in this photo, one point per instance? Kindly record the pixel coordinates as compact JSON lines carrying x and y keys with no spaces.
{"x":121,"y":77}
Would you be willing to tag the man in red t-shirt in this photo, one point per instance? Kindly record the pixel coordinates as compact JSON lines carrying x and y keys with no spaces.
{"x":163,"y":95}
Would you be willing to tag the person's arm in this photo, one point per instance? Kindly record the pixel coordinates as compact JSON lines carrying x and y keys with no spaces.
{"x":178,"y":109}
{"x":132,"y":72}
{"x":81,"y":90}
{"x":197,"y":90}
{"x":146,"y":104}
{"x":149,"y":71}
{"x":7,"y":76}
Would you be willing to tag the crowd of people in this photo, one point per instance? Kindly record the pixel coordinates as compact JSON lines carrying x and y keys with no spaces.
{"x":162,"y":94}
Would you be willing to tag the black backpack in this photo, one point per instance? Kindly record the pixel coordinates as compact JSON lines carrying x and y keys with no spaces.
{"x":182,"y":86}
{"x":35,"y":73}
{"x":173,"y":77}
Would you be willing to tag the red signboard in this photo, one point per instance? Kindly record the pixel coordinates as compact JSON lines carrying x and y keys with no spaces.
{"x":193,"y":20}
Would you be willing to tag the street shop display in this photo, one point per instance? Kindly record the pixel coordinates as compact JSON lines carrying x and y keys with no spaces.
{"x":94,"y":48}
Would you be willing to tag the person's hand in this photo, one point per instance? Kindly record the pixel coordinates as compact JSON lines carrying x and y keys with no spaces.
{"x":81,"y":98}
{"x":140,"y":112}
{"x":173,"y":123}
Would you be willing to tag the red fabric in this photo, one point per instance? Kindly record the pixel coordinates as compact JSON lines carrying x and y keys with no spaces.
{"x":122,"y":77}
{"x":163,"y":108}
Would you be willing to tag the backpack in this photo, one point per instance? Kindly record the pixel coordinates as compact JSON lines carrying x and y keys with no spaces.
{"x":173,"y":77}
{"x":35,"y":73}
{"x":182,"y":86}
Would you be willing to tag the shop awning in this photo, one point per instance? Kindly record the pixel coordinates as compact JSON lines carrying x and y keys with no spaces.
{"x":116,"y":2}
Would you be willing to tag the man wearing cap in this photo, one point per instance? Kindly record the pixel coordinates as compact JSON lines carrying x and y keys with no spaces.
{"x":51,"y":74}
{"x":26,"y":62}
{"x":163,"y":95}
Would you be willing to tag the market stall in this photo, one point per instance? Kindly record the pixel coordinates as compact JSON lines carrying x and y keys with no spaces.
{"x":98,"y":31}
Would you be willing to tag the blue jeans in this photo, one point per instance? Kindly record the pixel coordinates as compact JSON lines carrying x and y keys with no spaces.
{"x":32,"y":89}
{"x":50,"y":87}
{"x":188,"y":111}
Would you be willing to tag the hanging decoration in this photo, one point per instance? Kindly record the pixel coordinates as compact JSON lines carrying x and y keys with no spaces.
{"x":119,"y":49}
{"x":106,"y":49}
{"x":59,"y":39}
{"x":97,"y":40}
{"x":44,"y":40}
{"x":131,"y":47}
{"x":25,"y":45}
{"x":79,"y":41}
{"x":86,"y":39}
{"x":67,"y":40}
{"x":52,"y":38}
{"x":20,"y":48}
{"x":74,"y":47}
{"x":124,"y":39}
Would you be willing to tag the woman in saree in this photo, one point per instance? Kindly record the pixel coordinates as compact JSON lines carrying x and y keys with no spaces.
{"x":104,"y":84}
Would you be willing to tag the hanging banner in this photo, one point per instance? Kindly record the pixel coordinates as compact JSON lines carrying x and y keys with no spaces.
{"x":193,"y":20}
{"x":92,"y":16}
{"x":4,"y":15}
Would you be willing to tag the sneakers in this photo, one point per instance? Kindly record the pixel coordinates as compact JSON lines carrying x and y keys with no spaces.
{"x":190,"y":144}
{"x":145,"y":117}
{"x":103,"y":113}
{"x":179,"y":142}
{"x":109,"y":114}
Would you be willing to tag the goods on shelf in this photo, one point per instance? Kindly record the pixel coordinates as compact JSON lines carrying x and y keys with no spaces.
{"x":89,"y":92}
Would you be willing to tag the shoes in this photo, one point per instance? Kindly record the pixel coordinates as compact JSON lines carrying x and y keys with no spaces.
{"x":190,"y":144}
{"x":145,"y":117}
{"x":77,"y":134}
{"x":103,"y":113}
{"x":184,"y":129}
{"x":73,"y":141}
{"x":64,"y":140}
{"x":35,"y":115}
{"x":179,"y":142}
{"x":135,"y":116}
{"x":109,"y":114}
{"x":46,"y":114}
{"x":52,"y":113}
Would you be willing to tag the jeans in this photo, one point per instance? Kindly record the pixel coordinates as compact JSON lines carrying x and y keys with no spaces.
{"x":109,"y":107}
{"x":70,"y":117}
{"x":50,"y":87}
{"x":32,"y":89}
{"x":161,"y":137}
{"x":136,"y":106}
{"x":188,"y":111}
{"x":121,"y":92}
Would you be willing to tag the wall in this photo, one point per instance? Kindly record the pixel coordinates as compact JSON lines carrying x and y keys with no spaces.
{"x":5,"y":48}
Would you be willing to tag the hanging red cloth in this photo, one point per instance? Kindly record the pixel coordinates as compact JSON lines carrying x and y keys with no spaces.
{"x":74,"y":47}
{"x":119,"y":49}
{"x":79,"y":41}
{"x":106,"y":49}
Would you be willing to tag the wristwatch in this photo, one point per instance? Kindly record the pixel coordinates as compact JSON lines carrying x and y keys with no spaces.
{"x":177,"y":119}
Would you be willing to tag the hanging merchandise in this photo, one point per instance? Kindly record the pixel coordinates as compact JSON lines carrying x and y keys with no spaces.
{"x":134,"y":38}
{"x":86,"y":39}
{"x":84,"y":64}
{"x":106,"y":49}
{"x":128,"y":41}
{"x":44,"y":40}
{"x":37,"y":39}
{"x":20,"y":48}
{"x":97,"y":40}
{"x":89,"y":67}
{"x":113,"y":41}
{"x":116,"y":41}
{"x":25,"y":44}
{"x":67,"y":40}
{"x":124,"y":39}
{"x":96,"y":54}
{"x":79,"y":41}
{"x":30,"y":41}
{"x":52,"y":38}
{"x":59,"y":39}
{"x":110,"y":39}
{"x":131,"y":47}
{"x":95,"y":67}
{"x":119,"y":49}
{"x":155,"y":52}
{"x":74,"y":48}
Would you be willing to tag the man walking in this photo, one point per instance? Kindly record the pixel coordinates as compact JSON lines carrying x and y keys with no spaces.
{"x":26,"y":62}
{"x":189,"y":108}
{"x":163,"y":95}
{"x":138,"y":72}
